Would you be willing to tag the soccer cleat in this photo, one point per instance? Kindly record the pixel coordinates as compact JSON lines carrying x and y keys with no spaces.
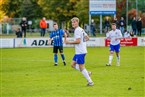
{"x":108,"y":64}
{"x":55,"y":64}
{"x":90,"y":84}
{"x":64,"y":63}
{"x":90,"y":73}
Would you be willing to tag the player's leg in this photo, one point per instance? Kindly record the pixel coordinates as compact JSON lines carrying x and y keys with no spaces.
{"x":55,"y":51}
{"x":117,"y":50}
{"x":63,"y":58}
{"x":62,"y":54}
{"x":118,"y":58}
{"x":81,"y":61}
{"x":74,"y":64}
{"x":81,"y":68}
{"x":86,"y":74}
{"x":111,"y":55}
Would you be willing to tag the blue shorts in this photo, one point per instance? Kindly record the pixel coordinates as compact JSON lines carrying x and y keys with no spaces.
{"x":115,"y":48}
{"x":79,"y":58}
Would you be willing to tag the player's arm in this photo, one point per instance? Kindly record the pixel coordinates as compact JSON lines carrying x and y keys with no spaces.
{"x":77,"y":41}
{"x":86,"y":37}
{"x":49,"y":40}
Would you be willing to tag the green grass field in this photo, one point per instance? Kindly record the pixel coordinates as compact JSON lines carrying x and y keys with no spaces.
{"x":29,"y":72}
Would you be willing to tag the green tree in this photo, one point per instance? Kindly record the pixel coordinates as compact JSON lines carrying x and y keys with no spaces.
{"x":31,"y":9}
{"x":60,"y":11}
{"x":11,"y":7}
{"x":57,"y":9}
{"x":82,"y":10}
{"x":2,"y":14}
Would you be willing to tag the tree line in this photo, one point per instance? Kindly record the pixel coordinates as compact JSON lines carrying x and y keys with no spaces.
{"x":61,"y":10}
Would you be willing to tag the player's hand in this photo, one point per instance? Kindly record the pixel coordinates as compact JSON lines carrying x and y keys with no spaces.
{"x":87,"y":38}
{"x":49,"y":41}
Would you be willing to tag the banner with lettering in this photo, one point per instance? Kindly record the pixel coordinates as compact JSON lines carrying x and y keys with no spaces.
{"x":124,"y":42}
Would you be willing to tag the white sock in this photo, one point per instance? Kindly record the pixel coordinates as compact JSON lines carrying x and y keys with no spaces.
{"x":86,"y":75}
{"x":118,"y":58}
{"x":110,"y":59}
{"x":77,"y":67}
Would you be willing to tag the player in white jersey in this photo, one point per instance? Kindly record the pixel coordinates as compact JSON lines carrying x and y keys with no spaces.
{"x":114,"y":35}
{"x":80,"y":38}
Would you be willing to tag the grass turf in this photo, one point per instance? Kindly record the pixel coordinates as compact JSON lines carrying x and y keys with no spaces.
{"x":29,"y":72}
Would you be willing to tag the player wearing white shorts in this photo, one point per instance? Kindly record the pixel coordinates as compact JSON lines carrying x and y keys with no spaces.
{"x":80,"y":38}
{"x":114,"y":35}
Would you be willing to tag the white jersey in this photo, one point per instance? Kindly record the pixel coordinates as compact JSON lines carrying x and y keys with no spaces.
{"x":81,"y":47}
{"x":113,"y":35}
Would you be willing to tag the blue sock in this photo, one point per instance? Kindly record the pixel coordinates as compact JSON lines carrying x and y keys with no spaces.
{"x":62,"y":56}
{"x":55,"y":58}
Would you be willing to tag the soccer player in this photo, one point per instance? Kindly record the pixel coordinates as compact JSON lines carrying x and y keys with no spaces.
{"x":80,"y":38}
{"x":114,"y":35}
{"x":57,"y":37}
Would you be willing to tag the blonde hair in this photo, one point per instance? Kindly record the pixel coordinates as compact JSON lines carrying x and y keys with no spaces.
{"x":75,"y":19}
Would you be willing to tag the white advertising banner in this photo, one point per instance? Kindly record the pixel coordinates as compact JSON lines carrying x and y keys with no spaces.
{"x":6,"y":43}
{"x":43,"y":42}
{"x":93,"y":42}
{"x":96,"y":42}
{"x":102,"y":7}
{"x":141,"y":41}
{"x":32,"y":42}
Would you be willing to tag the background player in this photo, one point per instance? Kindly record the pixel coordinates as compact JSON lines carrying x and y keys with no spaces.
{"x":80,"y":50}
{"x":114,"y":35}
{"x":57,"y":37}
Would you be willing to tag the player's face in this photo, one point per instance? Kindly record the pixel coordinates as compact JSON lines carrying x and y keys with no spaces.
{"x":74,"y":24}
{"x":113,"y":27}
{"x":55,"y":27}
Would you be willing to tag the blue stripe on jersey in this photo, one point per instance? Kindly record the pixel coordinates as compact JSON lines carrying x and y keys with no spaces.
{"x":57,"y":37}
